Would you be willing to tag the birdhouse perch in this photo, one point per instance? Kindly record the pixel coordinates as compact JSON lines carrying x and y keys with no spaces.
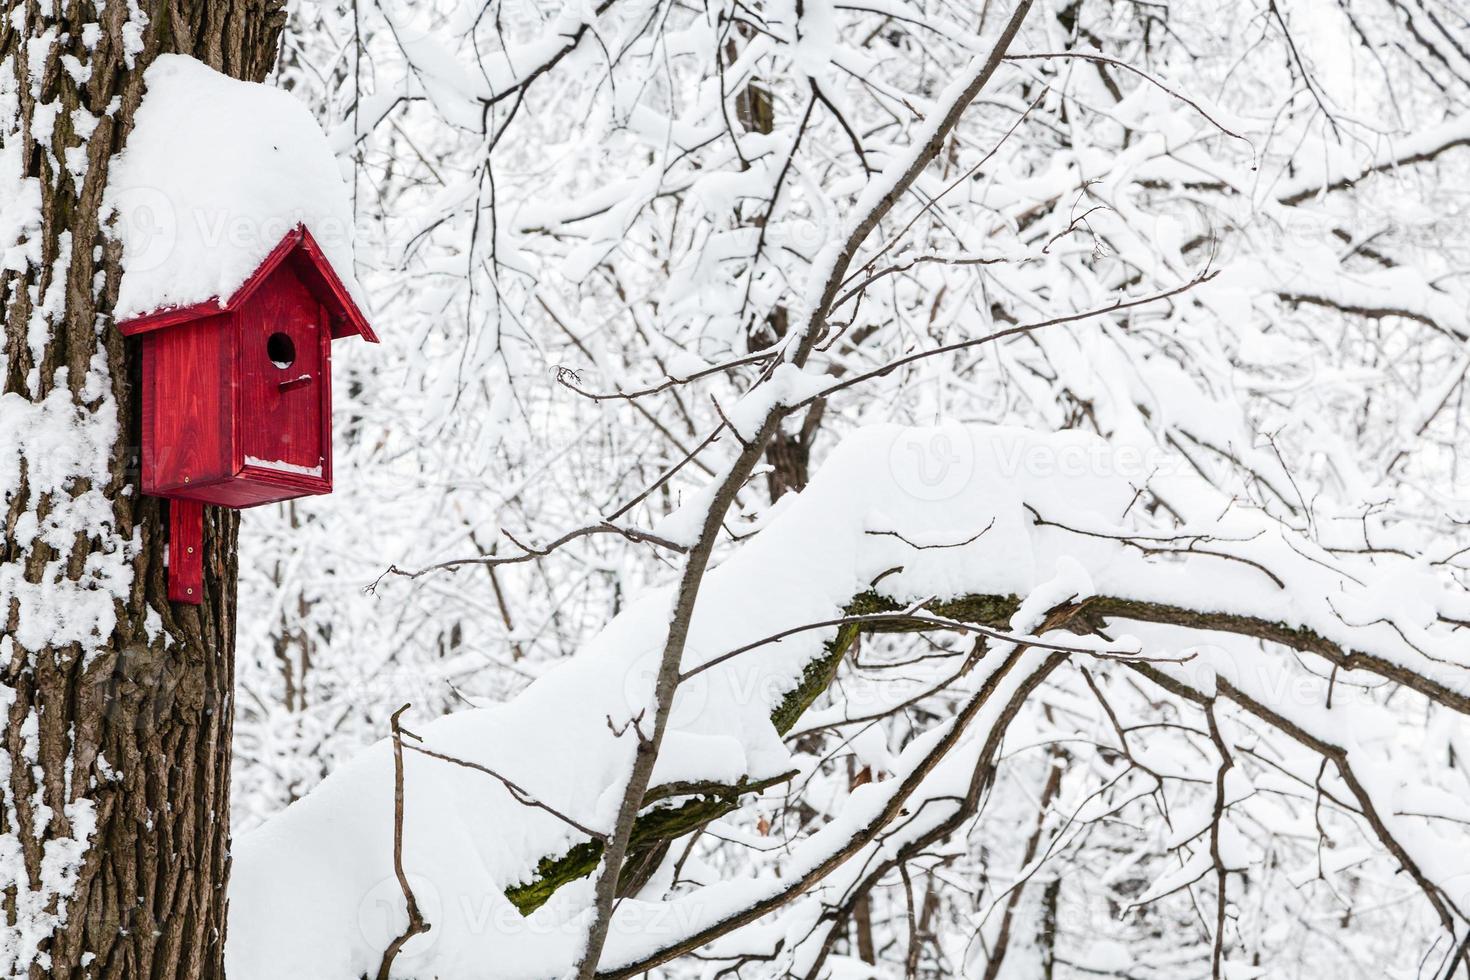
{"x":237,"y":396}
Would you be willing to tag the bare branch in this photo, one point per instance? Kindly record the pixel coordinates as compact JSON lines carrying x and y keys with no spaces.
{"x":416,"y":924}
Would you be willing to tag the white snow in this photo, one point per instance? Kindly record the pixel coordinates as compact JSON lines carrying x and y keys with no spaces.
{"x":313,"y":893}
{"x":283,"y":466}
{"x":51,"y":447}
{"x":215,"y":172}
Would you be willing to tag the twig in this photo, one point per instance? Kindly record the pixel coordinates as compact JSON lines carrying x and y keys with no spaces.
{"x":911,"y":957}
{"x":1122,"y":304}
{"x":914,"y":616}
{"x":570,"y":380}
{"x":908,"y":264}
{"x":1118,"y":63}
{"x":893,"y":242}
{"x":928,"y":547}
{"x":529,"y":552}
{"x":1217,"y":952}
{"x":416,"y":924}
{"x":520,"y":794}
{"x":1189,"y":545}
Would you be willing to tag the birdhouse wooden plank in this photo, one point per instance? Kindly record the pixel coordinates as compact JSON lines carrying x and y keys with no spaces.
{"x":237,"y":395}
{"x":186,"y":547}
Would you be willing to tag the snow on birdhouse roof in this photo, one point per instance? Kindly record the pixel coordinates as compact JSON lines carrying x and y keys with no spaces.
{"x":215,"y":176}
{"x":301,"y":252}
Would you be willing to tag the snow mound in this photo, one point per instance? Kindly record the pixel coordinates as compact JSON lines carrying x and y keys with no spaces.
{"x":312,"y":892}
{"x":910,"y":513}
{"x":214,"y":174}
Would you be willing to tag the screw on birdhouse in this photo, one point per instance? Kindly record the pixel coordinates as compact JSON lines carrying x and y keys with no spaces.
{"x":186,"y":479}
{"x":191,"y":551}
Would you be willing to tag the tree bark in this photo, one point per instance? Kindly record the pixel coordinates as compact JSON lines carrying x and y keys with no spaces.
{"x":789,"y":453}
{"x":114,"y":774}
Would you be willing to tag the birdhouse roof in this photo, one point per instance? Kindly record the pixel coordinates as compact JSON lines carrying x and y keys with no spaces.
{"x":300,"y":253}
{"x":216,"y":174}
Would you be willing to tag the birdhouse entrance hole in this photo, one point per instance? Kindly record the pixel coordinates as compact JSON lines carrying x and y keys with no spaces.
{"x":280,"y":350}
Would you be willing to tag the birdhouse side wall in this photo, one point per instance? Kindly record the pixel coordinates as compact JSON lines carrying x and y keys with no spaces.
{"x":283,"y":409}
{"x":187,"y":438}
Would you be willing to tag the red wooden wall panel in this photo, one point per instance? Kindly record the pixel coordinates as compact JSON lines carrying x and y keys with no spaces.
{"x":187,"y":372}
{"x":279,"y":408}
{"x":324,"y":323}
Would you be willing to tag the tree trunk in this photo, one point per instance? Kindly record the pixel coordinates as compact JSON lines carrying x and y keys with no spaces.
{"x":789,"y":453}
{"x":114,"y":774}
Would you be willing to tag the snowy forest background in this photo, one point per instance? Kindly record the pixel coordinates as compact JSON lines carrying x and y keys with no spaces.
{"x":601,"y":218}
{"x":1208,"y":263}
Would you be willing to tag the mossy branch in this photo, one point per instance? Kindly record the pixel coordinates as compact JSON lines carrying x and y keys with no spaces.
{"x":655,"y":828}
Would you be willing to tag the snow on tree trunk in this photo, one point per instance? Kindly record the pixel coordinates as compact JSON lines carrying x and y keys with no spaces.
{"x":114,"y":775}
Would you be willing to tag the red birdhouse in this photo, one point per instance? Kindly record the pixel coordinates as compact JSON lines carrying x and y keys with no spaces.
{"x":237,"y":395}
